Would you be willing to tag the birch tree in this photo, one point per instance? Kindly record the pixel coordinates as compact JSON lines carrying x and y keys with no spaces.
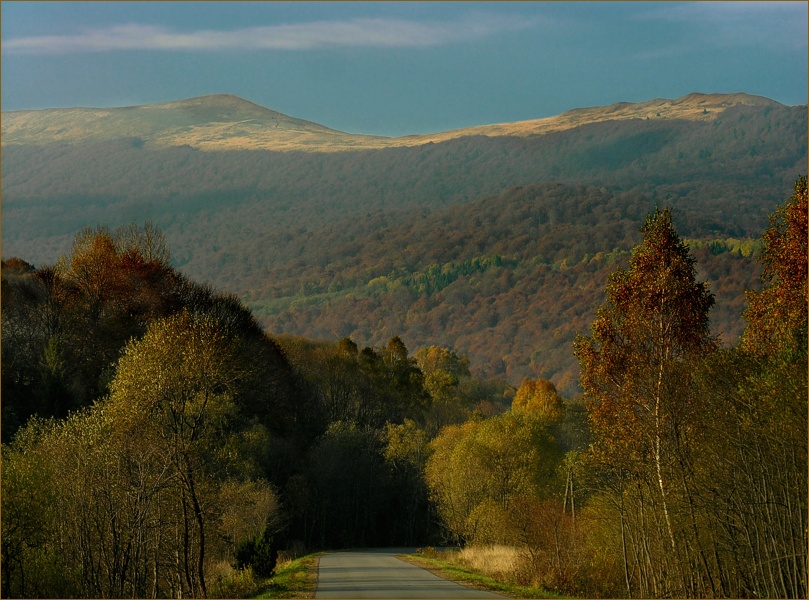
{"x":635,"y":366}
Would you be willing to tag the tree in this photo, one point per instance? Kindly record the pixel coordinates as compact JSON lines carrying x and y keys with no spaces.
{"x":350,"y":483}
{"x":777,"y":316}
{"x":539,"y":397}
{"x":635,"y":369}
{"x":29,"y":518}
{"x":406,"y":396}
{"x":116,"y":282}
{"x":479,"y":470}
{"x":753,"y":446}
{"x":443,"y":372}
{"x":406,"y":457}
{"x":182,"y":379}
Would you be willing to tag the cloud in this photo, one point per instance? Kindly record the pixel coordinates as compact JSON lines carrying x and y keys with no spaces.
{"x":736,"y":24}
{"x":359,"y":32}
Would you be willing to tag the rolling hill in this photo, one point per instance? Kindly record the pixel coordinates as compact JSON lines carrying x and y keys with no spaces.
{"x":494,"y":240}
{"x":226,"y":122}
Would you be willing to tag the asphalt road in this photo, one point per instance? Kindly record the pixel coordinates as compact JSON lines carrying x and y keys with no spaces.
{"x":379,"y":574}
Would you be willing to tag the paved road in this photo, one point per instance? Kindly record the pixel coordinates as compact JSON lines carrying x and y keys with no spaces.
{"x":379,"y":574}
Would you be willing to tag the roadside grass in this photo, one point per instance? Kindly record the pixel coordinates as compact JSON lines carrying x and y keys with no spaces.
{"x":444,"y":565}
{"x":293,"y":579}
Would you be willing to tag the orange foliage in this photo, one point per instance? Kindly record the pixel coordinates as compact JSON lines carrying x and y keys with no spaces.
{"x":777,"y":316}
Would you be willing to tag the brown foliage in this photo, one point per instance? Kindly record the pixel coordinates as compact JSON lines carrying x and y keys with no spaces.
{"x":777,"y":316}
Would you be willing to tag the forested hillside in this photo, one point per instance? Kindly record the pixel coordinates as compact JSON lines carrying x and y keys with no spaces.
{"x":508,"y":281}
{"x":333,"y":243}
{"x":158,"y":443}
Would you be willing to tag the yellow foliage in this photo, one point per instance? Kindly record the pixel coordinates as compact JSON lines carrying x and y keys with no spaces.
{"x":540,"y":398}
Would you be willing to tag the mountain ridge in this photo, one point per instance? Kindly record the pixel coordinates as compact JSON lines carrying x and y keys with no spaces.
{"x":220,"y":122}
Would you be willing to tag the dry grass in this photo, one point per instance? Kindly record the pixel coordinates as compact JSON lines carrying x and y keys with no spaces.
{"x":245,"y":126}
{"x":491,"y":560}
{"x":487,"y":575}
{"x":227,"y":582}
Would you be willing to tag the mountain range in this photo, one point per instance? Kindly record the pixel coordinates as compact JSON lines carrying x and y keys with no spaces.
{"x":495,"y":240}
{"x":226,"y":122}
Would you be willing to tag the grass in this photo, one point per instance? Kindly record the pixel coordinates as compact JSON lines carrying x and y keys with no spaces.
{"x":443,"y":565}
{"x":293,"y":579}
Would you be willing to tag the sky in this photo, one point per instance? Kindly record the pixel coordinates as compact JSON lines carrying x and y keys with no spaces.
{"x":398,"y":68}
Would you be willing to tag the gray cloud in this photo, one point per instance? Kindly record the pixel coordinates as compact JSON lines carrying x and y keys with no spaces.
{"x":736,"y":24}
{"x":360,"y":32}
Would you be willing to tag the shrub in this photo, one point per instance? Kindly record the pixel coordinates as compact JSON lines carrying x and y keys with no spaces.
{"x":259,"y":553}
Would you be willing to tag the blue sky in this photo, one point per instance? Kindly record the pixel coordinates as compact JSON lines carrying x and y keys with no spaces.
{"x":396,"y":68}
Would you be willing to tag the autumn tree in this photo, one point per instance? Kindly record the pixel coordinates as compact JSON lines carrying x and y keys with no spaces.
{"x":635,"y":369}
{"x":752,"y":472}
{"x":539,"y":397}
{"x":477,"y":472}
{"x":183,"y":379}
{"x":111,"y":501}
{"x":777,"y":315}
{"x":443,"y":371}
{"x":117,"y":281}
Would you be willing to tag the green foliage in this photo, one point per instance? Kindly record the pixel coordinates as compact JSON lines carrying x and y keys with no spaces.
{"x":261,"y":554}
{"x":479,"y":470}
{"x":294,"y":579}
{"x":746,"y":247}
{"x":406,"y":452}
{"x":436,"y":277}
{"x":448,"y":381}
{"x":29,"y":520}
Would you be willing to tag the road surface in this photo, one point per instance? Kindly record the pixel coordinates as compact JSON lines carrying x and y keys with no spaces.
{"x":379,"y":574}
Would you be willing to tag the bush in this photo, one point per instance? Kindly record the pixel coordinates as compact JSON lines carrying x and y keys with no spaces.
{"x":259,"y":553}
{"x":228,"y":582}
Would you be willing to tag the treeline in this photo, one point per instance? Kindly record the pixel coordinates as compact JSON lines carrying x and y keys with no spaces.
{"x":700,"y":453}
{"x":156,"y":441}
